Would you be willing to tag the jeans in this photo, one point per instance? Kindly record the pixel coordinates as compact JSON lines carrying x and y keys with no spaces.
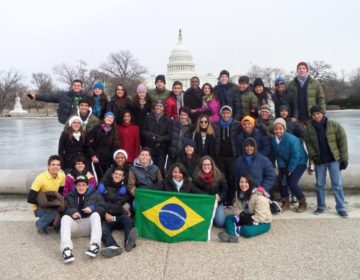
{"x":219,"y":219}
{"x":292,"y":182}
{"x":124,"y":222}
{"x":46,"y":217}
{"x":336,"y":184}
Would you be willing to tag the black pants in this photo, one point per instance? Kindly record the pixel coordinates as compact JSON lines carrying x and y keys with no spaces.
{"x":124,"y":222}
{"x":226,"y":165}
{"x":159,"y":159}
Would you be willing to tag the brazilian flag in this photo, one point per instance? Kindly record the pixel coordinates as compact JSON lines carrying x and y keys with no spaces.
{"x":173,"y":217}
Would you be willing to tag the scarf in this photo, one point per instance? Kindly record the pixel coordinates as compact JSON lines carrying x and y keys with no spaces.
{"x":77,"y":135}
{"x":207,"y":98}
{"x":97,"y":106}
{"x":122,"y":100}
{"x":226,"y":124}
{"x":207,"y":177}
{"x":75,"y":102}
{"x":302,"y":80}
{"x":179,"y":102}
{"x":106,"y":128}
{"x":178,"y":184}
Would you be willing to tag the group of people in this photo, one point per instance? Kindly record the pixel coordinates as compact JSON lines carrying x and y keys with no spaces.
{"x":226,"y":141}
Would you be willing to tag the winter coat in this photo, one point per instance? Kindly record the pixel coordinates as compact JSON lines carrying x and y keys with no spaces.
{"x":108,"y":174}
{"x":139,"y":114}
{"x":263,"y":142}
{"x":266,"y":127}
{"x":213,"y":107}
{"x":260,"y":168}
{"x":249,"y":102}
{"x":70,"y":182}
{"x":157,"y":133}
{"x":268,"y":101}
{"x":70,"y":148}
{"x":286,"y":98}
{"x":206,"y":149}
{"x":229,"y":95}
{"x":189,"y":164}
{"x":193,"y":100}
{"x":65,"y":100}
{"x":289,"y":153}
{"x":103,"y":105}
{"x":217,"y":187}
{"x":336,"y":138}
{"x":91,"y":199}
{"x":295,"y":129}
{"x":129,"y":140}
{"x":168,"y":185}
{"x":234,"y":130}
{"x":145,"y":178}
{"x":171,"y":109}
{"x":315,"y":93}
{"x":258,"y":206}
{"x":178,"y":133}
{"x":155,"y":94}
{"x":118,"y":108}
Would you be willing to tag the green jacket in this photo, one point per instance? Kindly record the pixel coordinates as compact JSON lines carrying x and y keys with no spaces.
{"x":336,"y":138}
{"x":315,"y":93}
{"x":248,"y":101}
{"x":154,"y":95}
{"x":89,"y":123}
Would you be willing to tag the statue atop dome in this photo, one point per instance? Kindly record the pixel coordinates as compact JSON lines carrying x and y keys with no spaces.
{"x":180,"y":37}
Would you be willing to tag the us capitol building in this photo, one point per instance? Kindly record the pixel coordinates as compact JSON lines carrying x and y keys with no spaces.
{"x":181,"y":67}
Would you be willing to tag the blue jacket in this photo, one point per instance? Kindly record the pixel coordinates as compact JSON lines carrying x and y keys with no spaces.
{"x":290,"y":152}
{"x":262,"y":141}
{"x":260,"y":168}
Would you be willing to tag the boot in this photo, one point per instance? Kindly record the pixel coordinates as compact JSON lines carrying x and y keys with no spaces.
{"x":285,"y":204}
{"x":302,"y":206}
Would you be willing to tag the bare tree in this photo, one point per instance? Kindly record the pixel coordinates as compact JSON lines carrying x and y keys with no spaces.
{"x":67,"y":73}
{"x":44,"y":84}
{"x":10,"y":85}
{"x":321,"y":71}
{"x":254,"y":72}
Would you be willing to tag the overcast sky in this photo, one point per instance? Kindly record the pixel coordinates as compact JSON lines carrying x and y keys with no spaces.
{"x":36,"y":35}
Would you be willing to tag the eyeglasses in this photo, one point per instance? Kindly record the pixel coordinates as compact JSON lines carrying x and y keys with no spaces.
{"x":204,"y":122}
{"x":279,"y":84}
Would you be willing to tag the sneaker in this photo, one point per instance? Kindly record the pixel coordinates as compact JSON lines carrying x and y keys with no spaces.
{"x":343,"y":214}
{"x":318,"y":211}
{"x":111,"y":251}
{"x":275,"y":208}
{"x":131,"y":241}
{"x":227,"y":237}
{"x":293,"y":199}
{"x":93,"y":250}
{"x":68,"y":255}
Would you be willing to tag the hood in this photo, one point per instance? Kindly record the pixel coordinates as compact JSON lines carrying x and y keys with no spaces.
{"x":137,"y":163}
{"x":249,"y":139}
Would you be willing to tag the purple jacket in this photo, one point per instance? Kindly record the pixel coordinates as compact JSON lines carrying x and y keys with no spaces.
{"x":213,"y":106}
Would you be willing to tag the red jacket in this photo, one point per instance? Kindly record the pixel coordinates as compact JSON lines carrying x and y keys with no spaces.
{"x":129,"y":140}
{"x":170,"y":107}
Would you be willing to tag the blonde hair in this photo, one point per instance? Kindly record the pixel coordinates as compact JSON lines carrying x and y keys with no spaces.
{"x":209,"y":129}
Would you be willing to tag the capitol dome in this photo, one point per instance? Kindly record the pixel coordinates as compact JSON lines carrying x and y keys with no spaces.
{"x":181,"y":66}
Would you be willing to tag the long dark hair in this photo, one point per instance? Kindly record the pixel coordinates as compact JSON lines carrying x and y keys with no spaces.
{"x":181,"y":168}
{"x":125,"y":91}
{"x":69,"y":133}
{"x":250,"y":181}
{"x":198,"y":173}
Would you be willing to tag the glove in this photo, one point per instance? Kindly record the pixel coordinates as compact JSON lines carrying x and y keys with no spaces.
{"x":343,"y":164}
{"x":316,"y":160}
{"x":245,"y":219}
{"x":155,"y":138}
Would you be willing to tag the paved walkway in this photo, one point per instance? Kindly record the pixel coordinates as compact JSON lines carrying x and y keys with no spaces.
{"x":298,"y":246}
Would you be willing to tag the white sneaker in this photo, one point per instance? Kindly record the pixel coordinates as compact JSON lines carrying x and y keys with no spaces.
{"x":93,"y":250}
{"x":68,"y":256}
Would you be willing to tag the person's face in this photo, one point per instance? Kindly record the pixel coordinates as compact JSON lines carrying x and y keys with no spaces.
{"x":302,"y":70}
{"x":142,"y":95}
{"x":317,"y":117}
{"x":109,"y":120}
{"x":80,"y":166}
{"x":144,"y":158}
{"x":83,"y":108}
{"x":194,"y":83}
{"x":97,"y":91}
{"x":76,"y":87}
{"x":118,"y":176}
{"x":160,"y":85}
{"x":226,"y":115}
{"x":249,"y":150}
{"x":120,"y":159}
{"x":177,"y":175}
{"x":247,"y":127}
{"x":259,"y":89}
{"x":284,"y":113}
{"x":184,"y":118}
{"x":204,"y":123}
{"x":54,"y":167}
{"x":265,"y":115}
{"x":189,"y":150}
{"x":177,"y":89}
{"x":224,"y":79}
{"x":206,"y":166}
{"x":159,"y":108}
{"x":206,"y":90}
{"x":81,"y":187}
{"x":243,"y":184}
{"x":280,"y":87}
{"x":120,"y":91}
{"x":243,"y":86}
{"x":127,"y":118}
{"x":76,"y":125}
{"x":279,"y":130}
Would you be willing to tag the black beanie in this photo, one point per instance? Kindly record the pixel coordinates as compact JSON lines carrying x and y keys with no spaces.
{"x":258,"y":82}
{"x":224,"y":72}
{"x":244,"y":79}
{"x":316,"y":109}
{"x":161,"y":78}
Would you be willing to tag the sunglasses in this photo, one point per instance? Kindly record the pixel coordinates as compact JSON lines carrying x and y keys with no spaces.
{"x":204,"y":122}
{"x":280,"y":84}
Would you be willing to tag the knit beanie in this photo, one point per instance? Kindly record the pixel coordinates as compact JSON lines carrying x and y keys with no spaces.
{"x":224,"y":72}
{"x":302,"y":63}
{"x":316,"y":109}
{"x":160,"y":78}
{"x":279,"y":79}
{"x":265,"y":108}
{"x":244,"y":79}
{"x":74,"y":118}
{"x":188,"y":142}
{"x":109,"y":114}
{"x":258,"y":82}
{"x":98,"y":85}
{"x":280,"y":121}
{"x":284,"y":107}
{"x":159,"y":101}
{"x":249,"y":119}
{"x":120,"y":151}
{"x":141,"y":88}
{"x":225,"y":107}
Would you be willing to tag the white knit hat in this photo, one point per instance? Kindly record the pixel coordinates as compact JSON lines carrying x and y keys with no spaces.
{"x":280,"y":121}
{"x":120,"y":151}
{"x":74,"y":118}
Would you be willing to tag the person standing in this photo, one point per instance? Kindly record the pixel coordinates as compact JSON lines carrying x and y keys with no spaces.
{"x":159,"y":92}
{"x":264,"y":96}
{"x":193,"y":98}
{"x":282,"y":97}
{"x":98,"y":100}
{"x":175,"y":101}
{"x":210,"y":103}
{"x":248,"y":99}
{"x":119,"y":102}
{"x":326,"y":142}
{"x":204,"y":137}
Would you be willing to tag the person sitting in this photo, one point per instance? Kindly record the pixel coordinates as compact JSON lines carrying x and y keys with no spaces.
{"x":45,"y":195}
{"x":177,"y":180}
{"x":117,"y":216}
{"x":188,"y":158}
{"x":120,"y":157}
{"x":252,"y":215}
{"x":82,"y":217}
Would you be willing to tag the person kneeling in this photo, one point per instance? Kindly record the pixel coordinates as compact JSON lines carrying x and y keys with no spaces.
{"x":118,"y":215}
{"x":252,"y":215}
{"x":82,"y":215}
